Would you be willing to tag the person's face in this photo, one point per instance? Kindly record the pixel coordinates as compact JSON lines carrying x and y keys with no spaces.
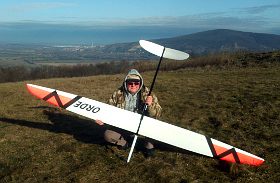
{"x":133,"y":86}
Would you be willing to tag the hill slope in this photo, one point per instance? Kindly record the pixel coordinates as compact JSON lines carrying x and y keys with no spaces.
{"x":39,"y":143}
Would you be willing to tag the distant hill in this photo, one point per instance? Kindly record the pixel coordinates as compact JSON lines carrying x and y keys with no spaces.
{"x":201,"y":43}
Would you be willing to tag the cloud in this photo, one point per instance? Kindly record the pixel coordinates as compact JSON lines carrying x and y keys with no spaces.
{"x":195,"y":22}
{"x":260,"y":9}
{"x":39,"y":6}
{"x":237,"y":20}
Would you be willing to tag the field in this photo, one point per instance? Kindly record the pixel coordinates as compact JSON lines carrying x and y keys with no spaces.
{"x":238,"y":106}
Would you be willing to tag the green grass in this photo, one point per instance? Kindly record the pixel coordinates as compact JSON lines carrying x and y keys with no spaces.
{"x":239,"y":106}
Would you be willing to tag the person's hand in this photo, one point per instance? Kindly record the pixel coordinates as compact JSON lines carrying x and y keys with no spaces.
{"x":149,"y":100}
{"x":99,"y":122}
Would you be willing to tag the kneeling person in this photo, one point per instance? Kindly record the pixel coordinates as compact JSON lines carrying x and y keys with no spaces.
{"x":132,"y":96}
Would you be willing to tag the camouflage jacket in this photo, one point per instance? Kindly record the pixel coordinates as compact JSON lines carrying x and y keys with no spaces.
{"x":118,"y":99}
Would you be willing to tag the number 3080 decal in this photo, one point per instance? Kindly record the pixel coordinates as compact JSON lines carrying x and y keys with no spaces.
{"x":87,"y":107}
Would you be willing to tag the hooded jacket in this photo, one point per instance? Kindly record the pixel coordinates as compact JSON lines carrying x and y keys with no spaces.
{"x":123,"y":99}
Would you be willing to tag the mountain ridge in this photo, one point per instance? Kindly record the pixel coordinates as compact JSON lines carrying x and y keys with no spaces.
{"x":207,"y":42}
{"x":220,"y":40}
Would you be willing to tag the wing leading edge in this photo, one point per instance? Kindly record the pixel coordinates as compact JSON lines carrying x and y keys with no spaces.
{"x":150,"y":127}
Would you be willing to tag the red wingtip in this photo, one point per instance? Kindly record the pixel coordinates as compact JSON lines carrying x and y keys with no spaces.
{"x":243,"y":158}
{"x":36,"y":91}
{"x":54,"y":99}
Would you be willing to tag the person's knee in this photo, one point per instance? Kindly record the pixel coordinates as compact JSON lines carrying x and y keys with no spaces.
{"x":149,"y":145}
{"x":114,"y":138}
{"x":111,"y":136}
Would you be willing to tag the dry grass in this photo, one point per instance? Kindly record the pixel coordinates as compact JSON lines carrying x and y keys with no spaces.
{"x":39,"y":143}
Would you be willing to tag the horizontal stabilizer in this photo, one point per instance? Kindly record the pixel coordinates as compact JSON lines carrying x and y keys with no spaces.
{"x":158,"y":49}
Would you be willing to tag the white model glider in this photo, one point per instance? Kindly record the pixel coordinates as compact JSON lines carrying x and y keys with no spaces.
{"x":150,"y":127}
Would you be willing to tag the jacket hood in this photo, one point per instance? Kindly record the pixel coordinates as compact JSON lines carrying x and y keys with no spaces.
{"x":133,"y":73}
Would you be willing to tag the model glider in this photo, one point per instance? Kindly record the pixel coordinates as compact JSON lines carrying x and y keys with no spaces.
{"x":143,"y":125}
{"x":150,"y":127}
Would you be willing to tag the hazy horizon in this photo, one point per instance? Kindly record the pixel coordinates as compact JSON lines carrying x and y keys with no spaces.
{"x":84,"y":35}
{"x":110,"y":21}
{"x":70,"y":35}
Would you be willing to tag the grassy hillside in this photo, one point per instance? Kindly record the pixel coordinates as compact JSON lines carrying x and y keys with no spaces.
{"x":40,"y":143}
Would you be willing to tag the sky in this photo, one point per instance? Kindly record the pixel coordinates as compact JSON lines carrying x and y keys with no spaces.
{"x":106,"y":19}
